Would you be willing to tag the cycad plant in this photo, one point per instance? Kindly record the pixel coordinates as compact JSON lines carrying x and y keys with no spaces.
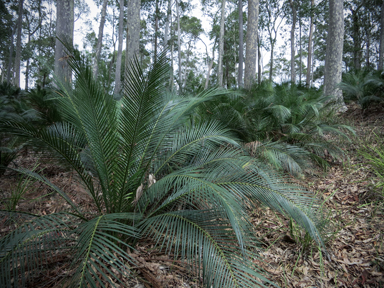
{"x":363,"y":86}
{"x":153,"y":175}
{"x":287,"y":126}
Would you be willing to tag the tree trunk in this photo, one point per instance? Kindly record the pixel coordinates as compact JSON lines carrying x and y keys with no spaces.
{"x":167,"y":23}
{"x":100,"y":39}
{"x":381,"y":49}
{"x":64,"y":32}
{"x":241,"y":45}
{"x":334,"y":54}
{"x":259,"y":68}
{"x":271,"y":61}
{"x":179,"y":44}
{"x":210,"y":66}
{"x":309,"y":59}
{"x":18,"y":45}
{"x":156,"y":30}
{"x":301,"y":54}
{"x":251,"y":43}
{"x":10,"y":58}
{"x":293,"y":28}
{"x":221,"y":46}
{"x":119,"y":50}
{"x":133,"y":32}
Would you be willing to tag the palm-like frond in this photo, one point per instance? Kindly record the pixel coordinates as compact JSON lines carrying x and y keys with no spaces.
{"x":205,"y":182}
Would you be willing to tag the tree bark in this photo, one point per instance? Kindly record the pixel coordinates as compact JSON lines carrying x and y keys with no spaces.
{"x":251,"y":43}
{"x":179,"y":44}
{"x":381,"y":48}
{"x":10,"y":58}
{"x":293,"y":28}
{"x":334,"y":54}
{"x":119,"y":50}
{"x":156,"y":29}
{"x":241,"y":45}
{"x":309,"y":59}
{"x":259,"y":68}
{"x":64,"y":32}
{"x":221,"y":46}
{"x":100,"y":39}
{"x":133,"y":32}
{"x":18,"y":45}
{"x":167,"y":23}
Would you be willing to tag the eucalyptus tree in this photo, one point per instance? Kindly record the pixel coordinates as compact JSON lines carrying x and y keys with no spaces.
{"x":133,"y":31}
{"x":100,"y":38}
{"x":309,"y":59}
{"x":221,"y":45}
{"x":18,"y":44}
{"x":293,"y":4}
{"x":334,"y":54}
{"x":240,"y":80}
{"x":64,"y":34}
{"x":271,"y":18}
{"x":251,"y":43}
{"x":119,"y":49}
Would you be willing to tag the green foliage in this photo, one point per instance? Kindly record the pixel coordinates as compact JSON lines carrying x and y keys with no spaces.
{"x":374,"y":154}
{"x":363,"y":86}
{"x":186,"y":185}
{"x":283,"y":124}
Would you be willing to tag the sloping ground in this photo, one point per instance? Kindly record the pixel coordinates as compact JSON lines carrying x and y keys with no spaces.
{"x":354,"y":226}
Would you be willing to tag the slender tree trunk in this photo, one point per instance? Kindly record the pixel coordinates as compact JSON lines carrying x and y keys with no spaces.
{"x":221,"y":46}
{"x":381,"y":48}
{"x":301,"y":54}
{"x":179,"y":44}
{"x":293,"y":28}
{"x":119,"y":50}
{"x":133,"y":32}
{"x":100,"y":38}
{"x":167,"y":23}
{"x":271,"y":61}
{"x":18,"y":45}
{"x":10,"y":58}
{"x":210,"y":66}
{"x":156,"y":30}
{"x":241,"y":45}
{"x":334,"y":53}
{"x":309,"y":59}
{"x":259,"y":68}
{"x":251,"y":43}
{"x":368,"y":45}
{"x":172,"y":69}
{"x":64,"y":32}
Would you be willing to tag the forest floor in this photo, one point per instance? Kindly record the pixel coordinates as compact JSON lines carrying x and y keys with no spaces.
{"x":354,"y":241}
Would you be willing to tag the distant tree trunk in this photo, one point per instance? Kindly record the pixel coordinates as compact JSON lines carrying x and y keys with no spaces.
{"x":167,"y":23}
{"x":64,"y":32}
{"x":271,"y":61}
{"x":368,"y":45}
{"x":334,"y":53}
{"x":251,"y":43}
{"x":119,"y":50}
{"x":133,"y":31}
{"x":381,"y":49}
{"x":156,"y":29}
{"x":221,"y":46}
{"x":309,"y":59}
{"x":301,"y":54}
{"x":210,"y":66}
{"x":10,"y":58}
{"x":241,"y":45}
{"x":293,"y":28}
{"x":100,"y":38}
{"x":259,"y":68}
{"x":179,"y":44}
{"x":18,"y":45}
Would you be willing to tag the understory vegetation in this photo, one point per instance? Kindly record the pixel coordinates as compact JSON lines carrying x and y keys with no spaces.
{"x":185,"y":173}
